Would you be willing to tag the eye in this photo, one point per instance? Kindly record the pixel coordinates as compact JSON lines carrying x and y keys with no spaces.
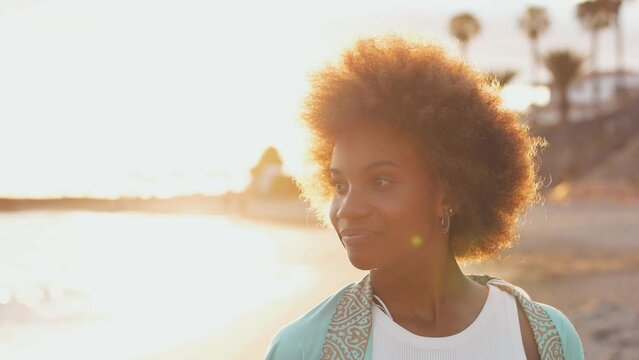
{"x":339,"y":187}
{"x":382,"y":182}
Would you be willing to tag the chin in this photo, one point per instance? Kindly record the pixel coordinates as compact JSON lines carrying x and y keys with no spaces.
{"x":362,"y":262}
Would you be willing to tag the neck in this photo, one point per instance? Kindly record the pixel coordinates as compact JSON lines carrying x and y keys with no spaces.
{"x":423,"y":287}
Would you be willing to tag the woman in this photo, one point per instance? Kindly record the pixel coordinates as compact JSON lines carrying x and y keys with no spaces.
{"x":422,"y":168}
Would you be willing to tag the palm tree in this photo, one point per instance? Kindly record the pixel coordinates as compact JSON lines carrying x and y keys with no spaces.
{"x":614,"y":10}
{"x":564,"y":66}
{"x":464,"y":27}
{"x":534,"y":23}
{"x":594,"y":16}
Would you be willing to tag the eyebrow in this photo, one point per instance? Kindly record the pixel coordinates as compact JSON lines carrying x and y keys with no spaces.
{"x":370,"y":166}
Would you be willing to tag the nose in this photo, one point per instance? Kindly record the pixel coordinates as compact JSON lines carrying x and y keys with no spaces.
{"x":353,"y":205}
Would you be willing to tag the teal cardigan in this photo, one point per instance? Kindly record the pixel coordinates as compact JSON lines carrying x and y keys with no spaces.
{"x":340,"y":326}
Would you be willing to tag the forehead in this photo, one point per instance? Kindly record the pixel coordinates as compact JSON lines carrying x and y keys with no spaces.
{"x":366,"y":143}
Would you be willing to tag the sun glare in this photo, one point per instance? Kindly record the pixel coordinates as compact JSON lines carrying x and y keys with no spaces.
{"x":122,"y":270}
{"x":520,"y":97}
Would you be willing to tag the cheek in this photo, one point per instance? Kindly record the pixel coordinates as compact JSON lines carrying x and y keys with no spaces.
{"x":412,"y":214}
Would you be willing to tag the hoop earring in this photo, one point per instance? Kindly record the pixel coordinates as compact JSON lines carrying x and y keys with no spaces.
{"x":446,"y":221}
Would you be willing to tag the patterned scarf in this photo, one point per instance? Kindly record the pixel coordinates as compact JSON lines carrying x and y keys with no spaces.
{"x":349,"y":330}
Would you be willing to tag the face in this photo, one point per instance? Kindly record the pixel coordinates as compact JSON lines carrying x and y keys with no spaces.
{"x":386,"y":203}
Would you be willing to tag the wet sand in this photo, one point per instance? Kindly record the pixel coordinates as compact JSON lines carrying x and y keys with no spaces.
{"x":582,"y":259}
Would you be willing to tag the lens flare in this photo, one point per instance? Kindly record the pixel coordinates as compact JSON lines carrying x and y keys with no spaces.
{"x":416,"y":241}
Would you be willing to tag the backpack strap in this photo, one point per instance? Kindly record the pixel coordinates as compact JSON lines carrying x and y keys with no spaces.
{"x":350,"y":327}
{"x":546,"y":334}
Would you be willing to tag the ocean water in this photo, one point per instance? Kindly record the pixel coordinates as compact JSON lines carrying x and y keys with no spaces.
{"x":79,"y":285}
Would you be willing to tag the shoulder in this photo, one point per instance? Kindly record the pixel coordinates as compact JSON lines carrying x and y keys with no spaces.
{"x":570,"y":340}
{"x":303,"y":337}
{"x":527,"y":335}
{"x":573,"y":349}
{"x":533,"y":312}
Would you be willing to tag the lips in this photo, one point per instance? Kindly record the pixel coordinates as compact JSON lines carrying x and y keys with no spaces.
{"x":357,"y":236}
{"x":356,"y":232}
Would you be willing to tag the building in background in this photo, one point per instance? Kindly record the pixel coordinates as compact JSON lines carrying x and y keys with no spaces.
{"x":590,"y":96}
{"x":268,"y":180}
{"x":271,"y":194}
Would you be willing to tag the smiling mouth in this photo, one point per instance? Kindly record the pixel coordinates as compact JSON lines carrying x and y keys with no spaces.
{"x":358,"y":239}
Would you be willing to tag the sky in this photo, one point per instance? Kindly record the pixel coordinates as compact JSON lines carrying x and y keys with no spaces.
{"x":160,"y":98}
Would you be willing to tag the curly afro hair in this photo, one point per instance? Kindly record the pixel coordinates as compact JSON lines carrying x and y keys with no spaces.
{"x":485,"y":159}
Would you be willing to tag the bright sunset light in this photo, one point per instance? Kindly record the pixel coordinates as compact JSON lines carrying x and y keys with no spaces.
{"x":152,"y":205}
{"x":112,"y":98}
{"x":520,"y":97}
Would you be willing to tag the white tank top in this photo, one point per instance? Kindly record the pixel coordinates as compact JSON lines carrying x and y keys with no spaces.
{"x":495,"y":334}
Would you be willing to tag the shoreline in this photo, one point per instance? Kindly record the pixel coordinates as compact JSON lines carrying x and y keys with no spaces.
{"x":583,"y":261}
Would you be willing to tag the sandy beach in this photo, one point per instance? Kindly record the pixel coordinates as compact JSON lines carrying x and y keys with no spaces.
{"x":580,"y":258}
